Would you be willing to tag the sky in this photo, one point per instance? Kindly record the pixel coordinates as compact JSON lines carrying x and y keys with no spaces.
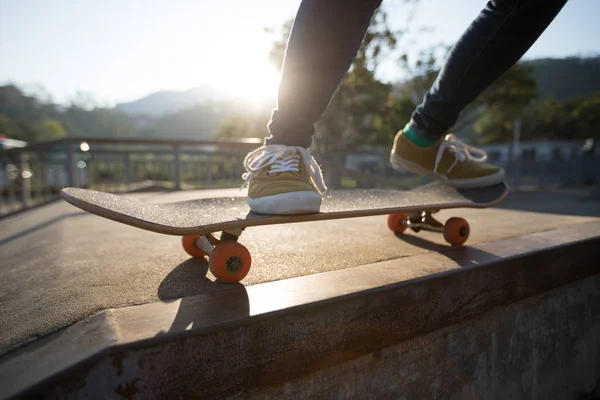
{"x":120,"y":50}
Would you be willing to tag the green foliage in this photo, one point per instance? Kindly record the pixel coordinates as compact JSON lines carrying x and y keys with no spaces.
{"x":247,"y":123}
{"x":14,"y":105}
{"x":48,"y":129}
{"x":26,"y":118}
{"x":97,"y":122}
{"x":586,"y":115}
{"x":396,"y":112}
{"x":504,"y":101}
{"x":199,"y":122}
{"x":11,"y":128}
{"x":565,"y":120}
{"x":4,"y":124}
{"x":512,"y":92}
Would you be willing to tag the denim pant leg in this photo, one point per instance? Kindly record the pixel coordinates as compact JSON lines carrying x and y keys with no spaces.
{"x":323,"y":43}
{"x":493,"y":43}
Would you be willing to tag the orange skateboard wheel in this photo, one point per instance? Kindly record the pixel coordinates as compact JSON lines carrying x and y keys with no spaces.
{"x":230,"y":262}
{"x":456,"y":231}
{"x":189,"y":245}
{"x":397,"y":222}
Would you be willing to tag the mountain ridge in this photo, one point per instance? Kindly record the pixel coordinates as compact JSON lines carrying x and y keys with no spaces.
{"x":158,"y":104}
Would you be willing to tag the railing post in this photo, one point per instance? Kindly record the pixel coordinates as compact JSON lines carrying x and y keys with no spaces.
{"x":25,"y":180}
{"x":128,"y":171}
{"x":70,"y":165}
{"x":515,"y":153}
{"x":209,"y":171}
{"x":177,"y":152}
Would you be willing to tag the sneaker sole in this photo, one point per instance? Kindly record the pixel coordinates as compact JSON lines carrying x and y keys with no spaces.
{"x":472,"y":183}
{"x":287,"y":203}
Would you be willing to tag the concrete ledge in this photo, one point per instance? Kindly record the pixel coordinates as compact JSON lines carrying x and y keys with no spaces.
{"x":258,"y":338}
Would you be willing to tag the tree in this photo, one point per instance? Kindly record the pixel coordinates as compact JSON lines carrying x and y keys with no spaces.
{"x":98,"y":122}
{"x":15,"y":105}
{"x":586,"y":116}
{"x":48,"y":129}
{"x":503,"y":102}
{"x":563,"y":120}
{"x":246,"y":123}
{"x":82,"y":100}
{"x":4,"y":124}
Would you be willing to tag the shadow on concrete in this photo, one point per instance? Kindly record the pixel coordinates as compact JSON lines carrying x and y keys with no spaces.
{"x":186,"y":279}
{"x":186,"y":282}
{"x":54,"y":199}
{"x":414,"y":240}
{"x":465,"y":255}
{"x":39,"y":226}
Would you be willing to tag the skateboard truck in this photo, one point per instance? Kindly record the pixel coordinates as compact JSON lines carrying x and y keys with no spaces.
{"x":228,"y":260}
{"x":456,"y":230}
{"x":424,"y":220}
{"x":207,"y":242}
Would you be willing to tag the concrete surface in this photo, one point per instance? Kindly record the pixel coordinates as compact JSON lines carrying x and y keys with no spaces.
{"x":284,"y":337}
{"x":60,"y":264}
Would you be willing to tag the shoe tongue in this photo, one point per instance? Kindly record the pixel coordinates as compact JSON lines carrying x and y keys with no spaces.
{"x":287,"y":162}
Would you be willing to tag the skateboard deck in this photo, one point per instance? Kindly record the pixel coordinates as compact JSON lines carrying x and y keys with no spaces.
{"x":197,"y":220}
{"x":202,"y":216}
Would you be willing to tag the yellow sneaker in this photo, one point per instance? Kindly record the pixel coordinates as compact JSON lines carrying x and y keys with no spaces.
{"x":283,"y":180}
{"x":448,"y":160}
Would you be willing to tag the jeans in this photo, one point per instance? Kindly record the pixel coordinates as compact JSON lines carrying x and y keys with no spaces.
{"x":327,"y":34}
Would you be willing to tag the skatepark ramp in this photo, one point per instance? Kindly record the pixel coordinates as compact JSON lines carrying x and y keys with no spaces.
{"x":514,"y":318}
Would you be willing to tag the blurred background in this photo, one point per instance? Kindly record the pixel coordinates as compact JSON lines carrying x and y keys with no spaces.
{"x":138,"y":95}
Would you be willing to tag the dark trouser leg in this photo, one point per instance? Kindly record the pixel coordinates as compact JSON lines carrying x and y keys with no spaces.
{"x":494,"y":42}
{"x":323,"y":43}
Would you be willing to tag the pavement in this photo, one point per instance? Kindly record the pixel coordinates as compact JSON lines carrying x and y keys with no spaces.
{"x":60,"y":264}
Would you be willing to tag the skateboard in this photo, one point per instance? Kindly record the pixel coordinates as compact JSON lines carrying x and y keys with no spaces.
{"x":197,"y":221}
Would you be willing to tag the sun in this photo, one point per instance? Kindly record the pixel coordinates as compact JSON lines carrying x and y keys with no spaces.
{"x":254,"y":82}
{"x":236,"y":66}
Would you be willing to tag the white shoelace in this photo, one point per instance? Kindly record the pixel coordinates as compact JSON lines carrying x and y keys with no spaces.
{"x":461,"y":150}
{"x":282,"y":159}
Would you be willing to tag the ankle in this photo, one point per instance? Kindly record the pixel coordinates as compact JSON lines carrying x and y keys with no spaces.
{"x":417,"y":138}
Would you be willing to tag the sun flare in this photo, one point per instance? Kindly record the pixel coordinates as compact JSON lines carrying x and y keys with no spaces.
{"x":236,"y":66}
{"x":254,"y":83}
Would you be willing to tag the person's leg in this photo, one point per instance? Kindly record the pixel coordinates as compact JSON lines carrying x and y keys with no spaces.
{"x":282,"y":176}
{"x":493,"y":43}
{"x":324,"y":41}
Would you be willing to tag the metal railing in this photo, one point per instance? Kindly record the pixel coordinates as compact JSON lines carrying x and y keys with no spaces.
{"x":34,"y":174}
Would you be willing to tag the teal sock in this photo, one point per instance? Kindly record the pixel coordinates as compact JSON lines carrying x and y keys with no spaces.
{"x":414,"y":137}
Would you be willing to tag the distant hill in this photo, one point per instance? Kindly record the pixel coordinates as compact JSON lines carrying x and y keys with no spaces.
{"x":168,"y":102}
{"x":566,"y":78}
{"x":200,"y":123}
